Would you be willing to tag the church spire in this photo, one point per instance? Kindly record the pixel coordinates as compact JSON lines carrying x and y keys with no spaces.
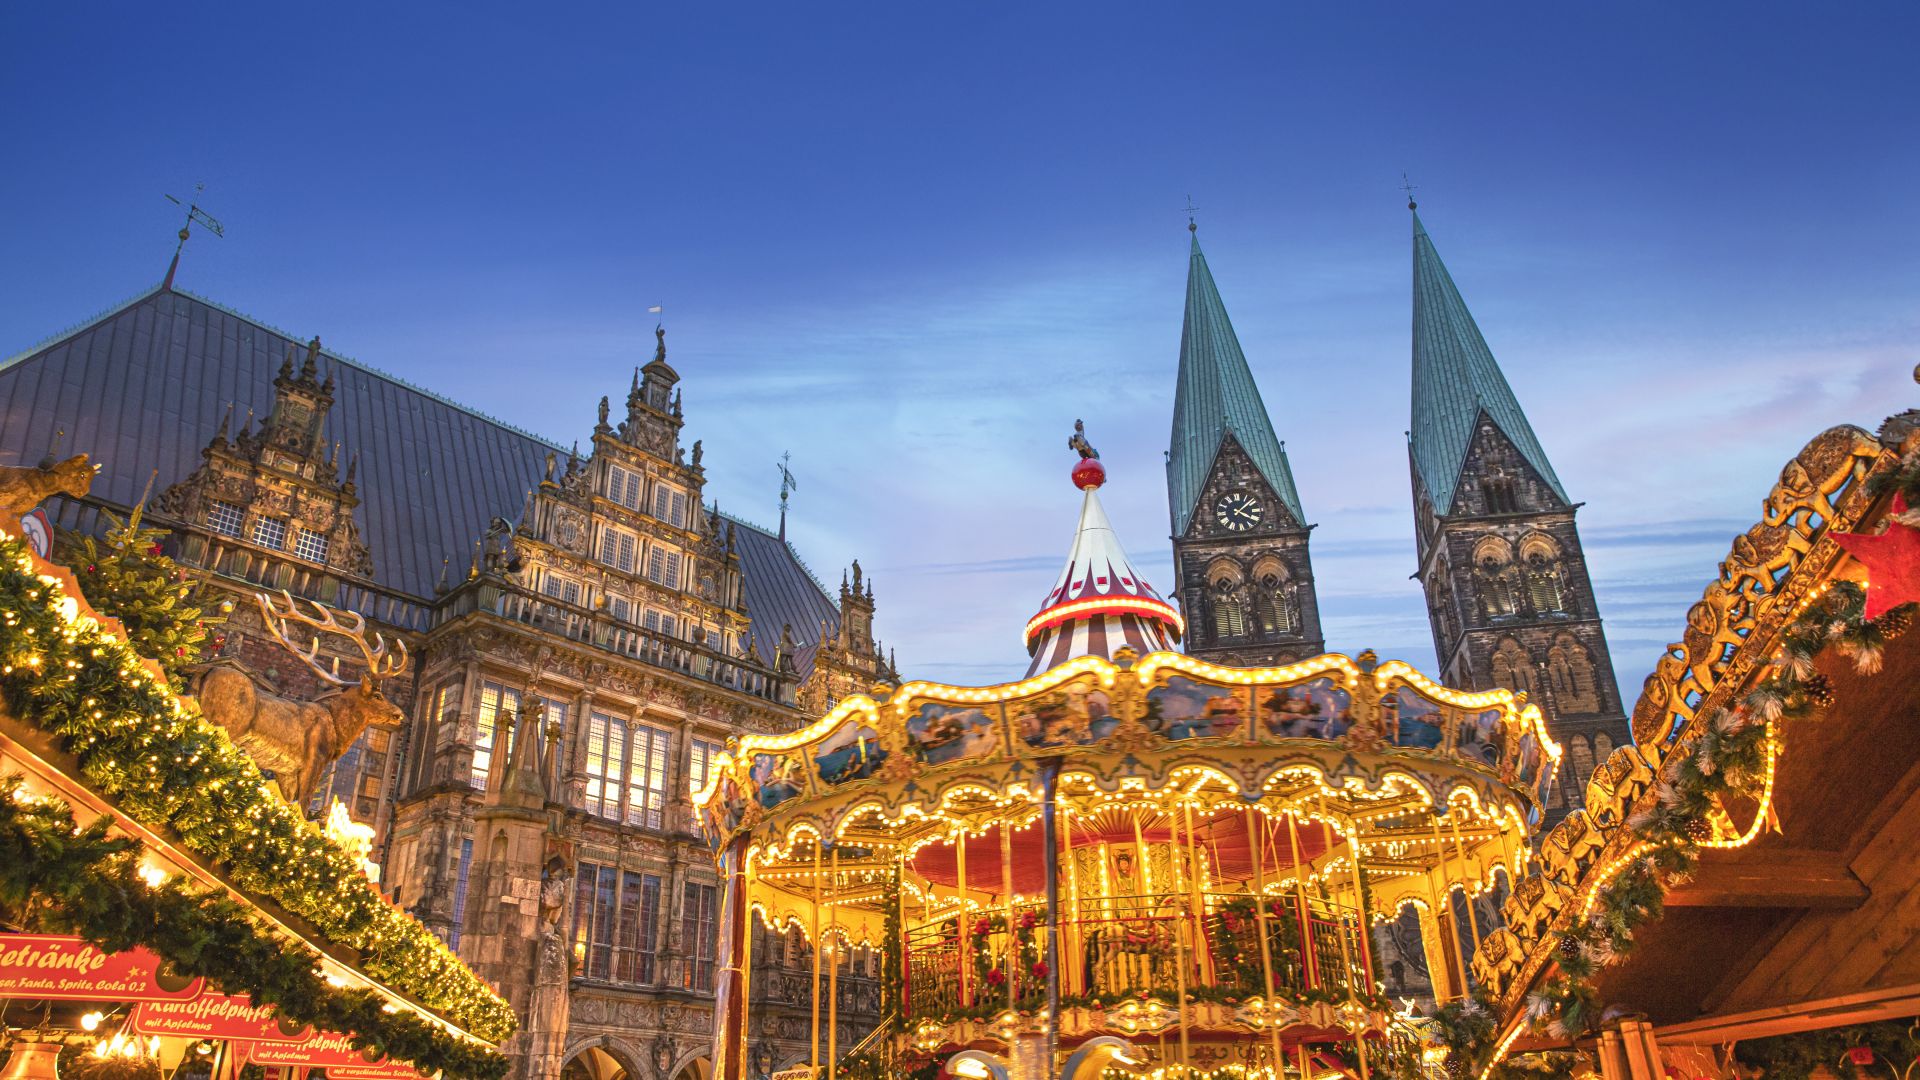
{"x":1216,"y":397}
{"x":1455,"y":381}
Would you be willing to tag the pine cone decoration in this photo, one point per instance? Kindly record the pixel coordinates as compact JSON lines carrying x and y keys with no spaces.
{"x":1819,"y":691}
{"x":1699,"y":830}
{"x":1457,"y":1067}
{"x":1895,"y":622}
{"x":1569,"y":948}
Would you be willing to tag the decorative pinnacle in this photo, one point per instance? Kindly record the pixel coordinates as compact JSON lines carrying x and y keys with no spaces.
{"x":1088,"y":473}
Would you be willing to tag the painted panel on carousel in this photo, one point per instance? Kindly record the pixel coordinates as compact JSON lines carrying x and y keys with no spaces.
{"x":1077,"y":714}
{"x":1527,"y":767}
{"x":940,"y":733}
{"x":1422,"y":722}
{"x":1185,"y":709}
{"x":1317,"y":709}
{"x":851,"y":752}
{"x":774,"y":778}
{"x":1477,"y":737}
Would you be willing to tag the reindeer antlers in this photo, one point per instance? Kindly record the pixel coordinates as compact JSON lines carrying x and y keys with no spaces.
{"x":379,"y":664}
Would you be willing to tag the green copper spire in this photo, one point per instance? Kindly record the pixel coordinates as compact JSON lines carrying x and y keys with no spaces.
{"x":1455,"y":379}
{"x":1216,"y":396}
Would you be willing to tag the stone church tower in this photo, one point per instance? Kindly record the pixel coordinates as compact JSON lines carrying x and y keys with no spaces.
{"x":1245,"y":583}
{"x":1499,"y":556}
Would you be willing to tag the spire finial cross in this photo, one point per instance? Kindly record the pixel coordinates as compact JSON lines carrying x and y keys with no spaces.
{"x":1191,"y":210}
{"x":1407,"y":186}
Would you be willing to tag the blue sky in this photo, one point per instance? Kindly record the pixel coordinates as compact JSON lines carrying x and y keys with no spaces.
{"x":911,"y":243}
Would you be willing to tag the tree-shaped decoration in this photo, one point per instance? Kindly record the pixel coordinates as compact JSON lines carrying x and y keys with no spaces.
{"x":128,"y":575}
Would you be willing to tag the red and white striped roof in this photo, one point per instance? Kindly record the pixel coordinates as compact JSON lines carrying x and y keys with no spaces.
{"x":1100,"y":603}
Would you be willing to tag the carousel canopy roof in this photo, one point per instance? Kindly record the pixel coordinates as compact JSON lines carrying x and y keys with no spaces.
{"x":1216,"y":396}
{"x":1100,"y":602}
{"x":1455,"y":379}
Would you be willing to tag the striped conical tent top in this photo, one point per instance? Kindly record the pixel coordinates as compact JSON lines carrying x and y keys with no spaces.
{"x":1100,"y":603}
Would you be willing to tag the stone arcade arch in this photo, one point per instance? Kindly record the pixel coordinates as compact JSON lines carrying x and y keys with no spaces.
{"x":600,"y":1058}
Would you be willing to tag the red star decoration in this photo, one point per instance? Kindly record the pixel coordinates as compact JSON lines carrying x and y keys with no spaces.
{"x":1892,"y":559}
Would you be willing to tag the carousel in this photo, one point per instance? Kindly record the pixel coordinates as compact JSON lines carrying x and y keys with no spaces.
{"x":1130,"y":860}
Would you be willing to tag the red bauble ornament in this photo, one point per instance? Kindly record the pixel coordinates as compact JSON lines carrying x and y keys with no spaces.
{"x":1861,"y":1055}
{"x":1089,"y":473}
{"x":1892,"y":559}
{"x":156,"y":550}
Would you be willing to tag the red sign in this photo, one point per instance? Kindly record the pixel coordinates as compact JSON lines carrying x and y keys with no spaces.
{"x":323,"y":1049}
{"x":212,"y":1016}
{"x":68,"y":969}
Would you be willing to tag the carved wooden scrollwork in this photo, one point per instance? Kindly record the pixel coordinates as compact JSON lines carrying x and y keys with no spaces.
{"x":1818,"y":491}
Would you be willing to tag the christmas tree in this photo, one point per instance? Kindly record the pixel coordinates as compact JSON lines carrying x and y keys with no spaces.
{"x":129,"y":577}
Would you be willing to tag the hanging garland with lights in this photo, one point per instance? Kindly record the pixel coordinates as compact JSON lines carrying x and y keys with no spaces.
{"x":57,"y":876}
{"x":166,"y":767}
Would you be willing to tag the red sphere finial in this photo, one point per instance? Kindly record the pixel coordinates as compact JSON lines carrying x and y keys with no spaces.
{"x":1088,"y":473}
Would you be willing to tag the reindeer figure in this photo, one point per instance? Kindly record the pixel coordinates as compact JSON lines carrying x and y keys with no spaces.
{"x":296,"y":739}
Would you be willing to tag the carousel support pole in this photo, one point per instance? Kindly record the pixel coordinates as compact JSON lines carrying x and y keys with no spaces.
{"x":1196,"y":899}
{"x":1076,"y":945}
{"x":1309,"y":962}
{"x":966,"y":928}
{"x":1012,"y":962}
{"x":1449,"y":931}
{"x":1180,"y":981}
{"x":902,"y":1007}
{"x":1346,"y":953}
{"x":736,"y":942}
{"x":819,"y":946}
{"x":1049,"y":782}
{"x":1145,"y":902}
{"x":833,"y":988}
{"x":1473,"y":920}
{"x":1255,"y":845}
{"x":1364,"y":929}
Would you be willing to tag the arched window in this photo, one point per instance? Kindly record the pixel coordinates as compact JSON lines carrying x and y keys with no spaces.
{"x":1513,"y":668}
{"x":1226,"y":602}
{"x":1275,"y":597}
{"x":1493,"y":576}
{"x":1571,"y":668}
{"x":1579,"y":764}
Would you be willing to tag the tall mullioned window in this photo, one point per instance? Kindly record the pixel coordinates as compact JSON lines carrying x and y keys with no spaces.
{"x":647,"y":777}
{"x":616,"y":924}
{"x":624,"y":486}
{"x":490,"y":731}
{"x":699,"y":930}
{"x":460,"y":892}
{"x":617,"y":549}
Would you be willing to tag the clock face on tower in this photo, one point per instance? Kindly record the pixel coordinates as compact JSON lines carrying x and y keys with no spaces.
{"x":1237,"y":511}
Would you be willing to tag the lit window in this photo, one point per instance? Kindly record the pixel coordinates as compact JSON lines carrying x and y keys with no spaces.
{"x":700,"y":762}
{"x":224,"y":518}
{"x":616,"y":918}
{"x":647,"y":777}
{"x":310,"y":545}
{"x":490,"y":730}
{"x":270,"y":532}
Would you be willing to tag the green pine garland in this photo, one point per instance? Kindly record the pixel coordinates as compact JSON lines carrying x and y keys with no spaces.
{"x":59,"y":877}
{"x":169,"y":768}
{"x":130,"y":578}
{"x":1893,"y":1043}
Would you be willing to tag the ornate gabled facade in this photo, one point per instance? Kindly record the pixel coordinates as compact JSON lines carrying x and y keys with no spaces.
{"x":587,"y":636}
{"x":1500,"y":560}
{"x":1245,"y":581}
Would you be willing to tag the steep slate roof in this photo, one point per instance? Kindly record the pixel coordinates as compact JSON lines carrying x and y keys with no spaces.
{"x":146,"y":384}
{"x":1215,"y":395}
{"x":781,"y":591}
{"x":1455,"y":379}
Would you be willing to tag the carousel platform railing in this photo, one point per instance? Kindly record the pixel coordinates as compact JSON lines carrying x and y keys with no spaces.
{"x":1117,"y":947}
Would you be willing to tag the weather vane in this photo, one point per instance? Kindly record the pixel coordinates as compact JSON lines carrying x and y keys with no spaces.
{"x":1407,"y":186}
{"x":787,"y":484}
{"x":1192,"y":226}
{"x":194,"y":214}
